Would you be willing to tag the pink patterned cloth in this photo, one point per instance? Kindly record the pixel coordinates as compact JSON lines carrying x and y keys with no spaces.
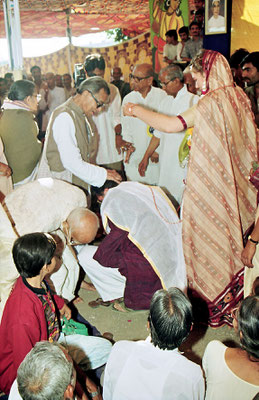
{"x":219,"y":202}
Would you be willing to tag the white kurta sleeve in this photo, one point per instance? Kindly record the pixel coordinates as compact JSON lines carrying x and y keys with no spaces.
{"x":64,"y":136}
{"x":115,"y":108}
{"x":126,"y":123}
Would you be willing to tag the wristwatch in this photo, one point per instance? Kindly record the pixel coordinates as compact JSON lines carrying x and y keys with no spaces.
{"x":252,"y":240}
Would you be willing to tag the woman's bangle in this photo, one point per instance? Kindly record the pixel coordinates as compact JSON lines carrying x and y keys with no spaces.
{"x":252,"y":240}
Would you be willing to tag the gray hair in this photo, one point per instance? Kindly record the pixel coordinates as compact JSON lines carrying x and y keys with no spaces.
{"x":45,"y":373}
{"x":94,"y":85}
{"x":173,"y":72}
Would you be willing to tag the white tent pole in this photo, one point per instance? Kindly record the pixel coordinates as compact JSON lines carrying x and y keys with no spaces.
{"x":69,"y":35}
{"x":13,"y":33}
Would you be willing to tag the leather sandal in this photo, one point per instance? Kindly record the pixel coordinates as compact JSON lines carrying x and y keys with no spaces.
{"x":99,"y":302}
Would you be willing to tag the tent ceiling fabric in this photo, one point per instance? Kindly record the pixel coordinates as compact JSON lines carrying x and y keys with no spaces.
{"x":41,"y":19}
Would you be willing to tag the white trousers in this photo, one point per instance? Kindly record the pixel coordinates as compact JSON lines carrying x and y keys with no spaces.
{"x":109,"y":283}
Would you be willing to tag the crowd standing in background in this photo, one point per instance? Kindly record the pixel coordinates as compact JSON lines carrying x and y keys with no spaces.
{"x":180,"y":221}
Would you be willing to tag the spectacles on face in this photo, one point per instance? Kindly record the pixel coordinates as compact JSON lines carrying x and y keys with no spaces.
{"x":138,"y":78}
{"x":166,"y":83}
{"x":99,"y":104}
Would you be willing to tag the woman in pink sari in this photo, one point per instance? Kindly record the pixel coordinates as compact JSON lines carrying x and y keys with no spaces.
{"x":219,"y":202}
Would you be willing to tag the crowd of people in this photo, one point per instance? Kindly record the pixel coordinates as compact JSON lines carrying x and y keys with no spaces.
{"x":171,"y":233}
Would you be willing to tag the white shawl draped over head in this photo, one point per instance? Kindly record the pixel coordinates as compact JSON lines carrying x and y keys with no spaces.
{"x":153,"y":225}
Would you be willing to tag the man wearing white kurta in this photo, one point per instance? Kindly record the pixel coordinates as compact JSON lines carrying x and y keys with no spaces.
{"x":137,"y":132}
{"x":106,"y":122}
{"x":155,"y":369}
{"x":54,"y":97}
{"x":172,"y":174}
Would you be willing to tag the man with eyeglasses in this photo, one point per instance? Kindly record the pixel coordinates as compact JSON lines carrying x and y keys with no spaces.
{"x":179,"y":99}
{"x":108,"y":120}
{"x":70,"y":145}
{"x":137,"y":132}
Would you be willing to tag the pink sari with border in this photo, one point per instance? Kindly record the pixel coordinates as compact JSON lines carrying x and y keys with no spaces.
{"x":219,"y":202}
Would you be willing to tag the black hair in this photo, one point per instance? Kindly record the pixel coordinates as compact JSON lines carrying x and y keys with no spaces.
{"x":8,"y":75}
{"x":21,"y":89}
{"x":184,"y":29}
{"x":170,"y":318}
{"x":94,"y":85}
{"x":172,"y":33}
{"x":98,"y":191}
{"x":93,"y":61}
{"x":31,"y":252}
{"x":194,"y":23}
{"x":248,"y":324}
{"x":35,"y":67}
{"x":252,"y":58}
{"x":200,"y":11}
{"x":237,"y":57}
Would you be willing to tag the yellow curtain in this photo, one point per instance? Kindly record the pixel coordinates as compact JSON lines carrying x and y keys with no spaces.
{"x":245,"y":25}
{"x":124,"y":55}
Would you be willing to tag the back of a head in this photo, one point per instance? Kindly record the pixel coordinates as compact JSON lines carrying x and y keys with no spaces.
{"x":252,"y":58}
{"x":94,"y":85}
{"x":31,"y":252}
{"x":93,"y":61}
{"x":45,"y":373}
{"x":34,"y":67}
{"x":248,"y":325}
{"x":170,"y":318}
{"x":21,"y":89}
{"x":172,"y":33}
{"x":83,"y":225}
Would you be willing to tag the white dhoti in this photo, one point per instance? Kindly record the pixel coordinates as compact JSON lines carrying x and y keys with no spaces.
{"x":109,"y":282}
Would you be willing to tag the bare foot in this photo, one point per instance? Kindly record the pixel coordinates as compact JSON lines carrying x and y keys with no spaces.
{"x":78,"y":300}
{"x":88,"y":286}
{"x":118,"y":306}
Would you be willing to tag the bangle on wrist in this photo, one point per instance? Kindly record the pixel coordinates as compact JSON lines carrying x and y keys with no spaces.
{"x":252,"y":240}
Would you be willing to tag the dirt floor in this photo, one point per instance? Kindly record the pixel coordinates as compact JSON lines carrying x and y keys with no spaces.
{"x":132,"y":325}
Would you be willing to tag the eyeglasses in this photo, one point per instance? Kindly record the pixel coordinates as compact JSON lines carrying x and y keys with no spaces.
{"x":99,"y":104}
{"x":138,"y":78}
{"x":166,"y":83}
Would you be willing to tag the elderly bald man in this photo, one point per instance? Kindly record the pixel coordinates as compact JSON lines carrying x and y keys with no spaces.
{"x":50,"y":205}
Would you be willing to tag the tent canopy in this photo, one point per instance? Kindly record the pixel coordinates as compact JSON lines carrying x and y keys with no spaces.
{"x":42,"y":19}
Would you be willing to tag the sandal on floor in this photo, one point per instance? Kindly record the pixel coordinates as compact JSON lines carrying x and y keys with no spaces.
{"x":99,"y":302}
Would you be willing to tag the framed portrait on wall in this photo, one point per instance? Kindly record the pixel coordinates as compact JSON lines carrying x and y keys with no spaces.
{"x":215,"y":17}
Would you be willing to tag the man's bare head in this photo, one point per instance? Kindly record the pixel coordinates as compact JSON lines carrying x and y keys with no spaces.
{"x":81,"y":226}
{"x":142,"y":78}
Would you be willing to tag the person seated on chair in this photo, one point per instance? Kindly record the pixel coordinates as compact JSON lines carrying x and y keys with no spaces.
{"x":32,"y":314}
{"x":154,"y":369}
